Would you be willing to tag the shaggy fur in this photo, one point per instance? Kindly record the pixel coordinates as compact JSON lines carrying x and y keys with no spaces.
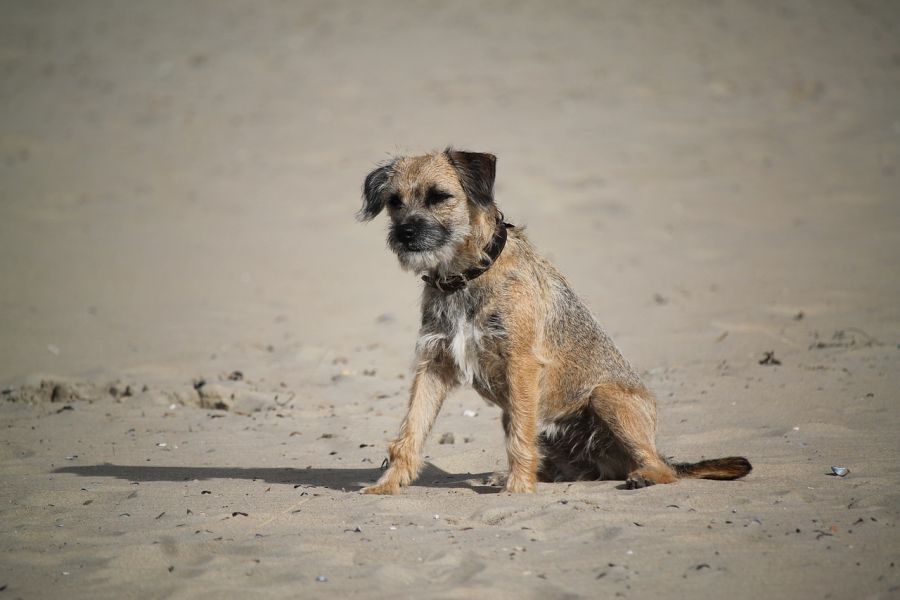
{"x":573,"y":408}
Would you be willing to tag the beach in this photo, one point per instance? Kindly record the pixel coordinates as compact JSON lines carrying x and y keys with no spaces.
{"x":203,"y":354}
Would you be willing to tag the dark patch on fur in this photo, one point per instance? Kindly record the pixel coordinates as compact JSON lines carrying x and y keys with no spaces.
{"x":395,"y":201}
{"x":373,"y":192}
{"x":417,"y":234}
{"x":436,"y":195}
{"x":476,"y":172}
{"x":436,"y":316}
{"x":494,"y":322}
{"x":584,"y":449}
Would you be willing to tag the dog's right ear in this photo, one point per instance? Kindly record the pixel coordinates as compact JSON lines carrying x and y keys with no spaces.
{"x":373,"y":192}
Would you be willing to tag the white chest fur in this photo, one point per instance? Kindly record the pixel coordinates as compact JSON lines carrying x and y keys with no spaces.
{"x":452,"y":331}
{"x":464,"y":349}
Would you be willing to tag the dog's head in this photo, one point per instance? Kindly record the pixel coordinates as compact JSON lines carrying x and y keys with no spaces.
{"x":441,"y":207}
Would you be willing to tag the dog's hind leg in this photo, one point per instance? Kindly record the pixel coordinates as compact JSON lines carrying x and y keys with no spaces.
{"x":630,"y":414}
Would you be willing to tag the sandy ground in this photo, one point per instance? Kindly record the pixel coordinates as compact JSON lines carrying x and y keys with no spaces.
{"x":202,"y":355}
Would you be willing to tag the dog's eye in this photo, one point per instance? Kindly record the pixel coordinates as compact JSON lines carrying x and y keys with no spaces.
{"x":394,"y":201}
{"x":435,"y":196}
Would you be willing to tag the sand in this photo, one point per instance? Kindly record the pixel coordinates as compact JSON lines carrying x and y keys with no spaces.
{"x":203,"y":355}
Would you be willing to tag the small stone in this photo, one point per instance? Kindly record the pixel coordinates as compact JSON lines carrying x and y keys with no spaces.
{"x":62,"y":392}
{"x":769,"y":359}
{"x":840,"y":471}
{"x":321,"y":578}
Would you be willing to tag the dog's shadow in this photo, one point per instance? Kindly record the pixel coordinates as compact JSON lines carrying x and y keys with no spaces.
{"x":336,"y":479}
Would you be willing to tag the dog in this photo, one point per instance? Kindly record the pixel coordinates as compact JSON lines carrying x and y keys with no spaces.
{"x":499,"y":317}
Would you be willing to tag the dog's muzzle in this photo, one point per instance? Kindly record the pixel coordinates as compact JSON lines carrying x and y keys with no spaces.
{"x":409,"y":230}
{"x":415,"y":234}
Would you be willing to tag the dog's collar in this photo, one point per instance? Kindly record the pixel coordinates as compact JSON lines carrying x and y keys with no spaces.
{"x":457,"y":281}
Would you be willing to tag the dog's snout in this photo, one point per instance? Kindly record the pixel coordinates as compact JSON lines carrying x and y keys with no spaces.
{"x":407,"y":230}
{"x":416,"y":233}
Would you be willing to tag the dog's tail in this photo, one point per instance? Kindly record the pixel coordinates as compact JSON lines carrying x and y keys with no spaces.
{"x":732,"y":467}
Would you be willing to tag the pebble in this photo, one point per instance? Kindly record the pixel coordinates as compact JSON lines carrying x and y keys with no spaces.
{"x":840,"y":471}
{"x":321,"y":578}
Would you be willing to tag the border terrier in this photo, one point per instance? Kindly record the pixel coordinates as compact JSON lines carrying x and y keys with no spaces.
{"x":499,"y":317}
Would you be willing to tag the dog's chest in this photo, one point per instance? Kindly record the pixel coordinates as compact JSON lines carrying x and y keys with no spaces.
{"x":463,"y":348}
{"x":451,"y":327}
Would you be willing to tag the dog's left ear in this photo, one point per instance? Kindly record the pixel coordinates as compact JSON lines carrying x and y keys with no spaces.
{"x":476,"y":174}
{"x":373,"y":192}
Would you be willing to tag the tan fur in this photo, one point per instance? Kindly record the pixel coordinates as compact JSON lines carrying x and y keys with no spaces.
{"x":572,"y":405}
{"x":429,"y":389}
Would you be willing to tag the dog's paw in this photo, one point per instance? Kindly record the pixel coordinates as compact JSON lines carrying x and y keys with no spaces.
{"x":385,"y":489}
{"x":636,"y":482}
{"x":650,"y":475}
{"x":520,"y":485}
{"x":497,"y":479}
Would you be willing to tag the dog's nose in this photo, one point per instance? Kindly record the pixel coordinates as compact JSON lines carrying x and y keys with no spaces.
{"x":408,"y":230}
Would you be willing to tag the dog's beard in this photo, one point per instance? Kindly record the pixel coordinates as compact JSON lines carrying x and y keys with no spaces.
{"x":438,"y":258}
{"x":427,"y":260}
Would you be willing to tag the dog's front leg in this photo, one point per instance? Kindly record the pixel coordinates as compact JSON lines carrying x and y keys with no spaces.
{"x":521,"y":434}
{"x":429,"y":388}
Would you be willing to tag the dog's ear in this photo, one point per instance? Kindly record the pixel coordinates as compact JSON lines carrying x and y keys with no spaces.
{"x":373,"y":192}
{"x":476,"y":172}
